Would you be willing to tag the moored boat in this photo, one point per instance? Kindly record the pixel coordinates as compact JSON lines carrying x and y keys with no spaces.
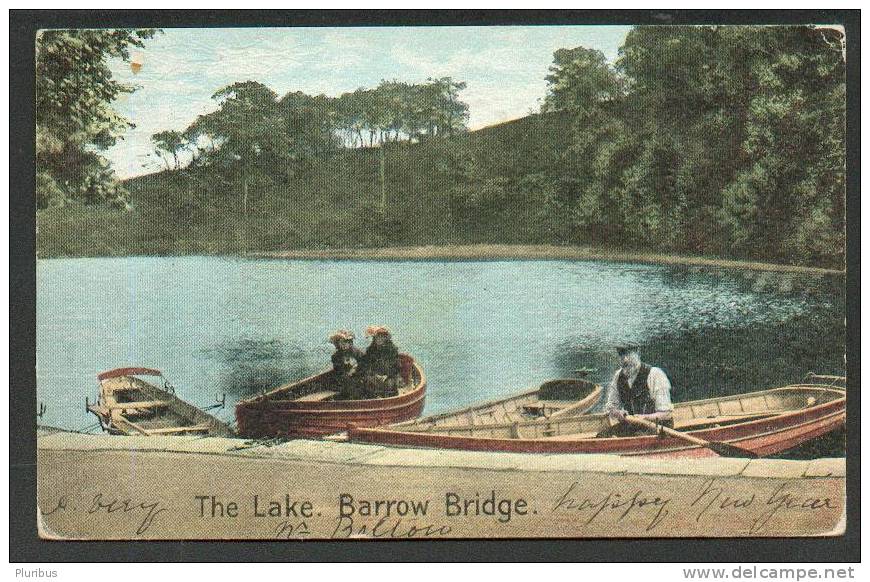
{"x":766,"y":422}
{"x":308,"y":408}
{"x":552,"y":399}
{"x":128,"y":405}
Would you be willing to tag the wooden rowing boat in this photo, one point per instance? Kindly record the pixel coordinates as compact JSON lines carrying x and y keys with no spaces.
{"x":308,"y":408}
{"x":552,"y":399}
{"x":128,"y":405}
{"x":765,"y":422}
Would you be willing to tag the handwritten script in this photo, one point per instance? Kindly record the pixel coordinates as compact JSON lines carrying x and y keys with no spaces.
{"x":145,"y":512}
{"x":614,"y":504}
{"x":715,"y":499}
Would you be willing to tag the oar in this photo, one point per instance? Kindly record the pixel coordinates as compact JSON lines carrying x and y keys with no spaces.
{"x":580,"y":403}
{"x":721,"y":449}
{"x":563,"y":411}
{"x":582,"y":372}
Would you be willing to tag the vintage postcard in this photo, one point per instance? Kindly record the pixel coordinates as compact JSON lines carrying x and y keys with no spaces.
{"x":436,"y":282}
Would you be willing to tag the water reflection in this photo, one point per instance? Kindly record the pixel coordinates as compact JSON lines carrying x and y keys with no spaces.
{"x":248,"y":366}
{"x":719,"y":361}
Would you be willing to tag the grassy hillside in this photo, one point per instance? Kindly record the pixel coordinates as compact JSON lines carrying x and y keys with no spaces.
{"x":478,"y":187}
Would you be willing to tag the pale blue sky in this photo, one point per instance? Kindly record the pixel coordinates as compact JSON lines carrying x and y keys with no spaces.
{"x":503,"y":66}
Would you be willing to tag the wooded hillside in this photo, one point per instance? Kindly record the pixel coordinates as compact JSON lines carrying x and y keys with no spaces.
{"x":719,"y":141}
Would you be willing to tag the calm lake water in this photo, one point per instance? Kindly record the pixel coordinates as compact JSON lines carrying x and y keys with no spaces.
{"x":480,"y":329}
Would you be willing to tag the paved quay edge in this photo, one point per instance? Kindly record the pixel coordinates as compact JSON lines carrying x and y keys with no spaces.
{"x":377,"y":455}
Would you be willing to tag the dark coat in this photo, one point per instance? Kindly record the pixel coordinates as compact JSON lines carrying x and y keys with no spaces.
{"x":340,"y":365}
{"x":382,"y":360}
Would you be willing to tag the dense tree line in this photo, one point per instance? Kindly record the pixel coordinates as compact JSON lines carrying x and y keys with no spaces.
{"x":75,"y":120}
{"x":717,"y":140}
{"x":256,"y":139}
{"x":252,"y":125}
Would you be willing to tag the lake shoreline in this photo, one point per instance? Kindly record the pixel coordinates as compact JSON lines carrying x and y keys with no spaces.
{"x":499,"y":252}
{"x":491,"y":252}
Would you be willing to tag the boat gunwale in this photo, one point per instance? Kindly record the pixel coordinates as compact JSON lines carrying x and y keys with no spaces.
{"x":592,"y":397}
{"x":128,"y":371}
{"x":686,"y":404}
{"x":486,"y":404}
{"x":739,"y":440}
{"x":818,"y":413}
{"x":555,"y":446}
{"x":394,"y":405}
{"x":597,"y":390}
{"x":295,"y":406}
{"x":265,"y":396}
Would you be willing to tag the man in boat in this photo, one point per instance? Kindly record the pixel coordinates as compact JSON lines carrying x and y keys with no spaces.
{"x":637,"y":389}
{"x":345,"y":365}
{"x":381,"y":367}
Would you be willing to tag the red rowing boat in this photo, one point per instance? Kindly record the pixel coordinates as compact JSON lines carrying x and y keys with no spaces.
{"x":765,"y":422}
{"x":308,"y":409}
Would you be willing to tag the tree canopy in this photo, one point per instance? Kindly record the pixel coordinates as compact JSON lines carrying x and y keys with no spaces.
{"x":75,"y":120}
{"x":298,"y":127}
{"x":724,"y":140}
{"x":580,"y":78}
{"x":256,"y":136}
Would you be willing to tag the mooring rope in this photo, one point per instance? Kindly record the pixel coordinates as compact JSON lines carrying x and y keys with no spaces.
{"x":89,"y":428}
{"x":263,"y":442}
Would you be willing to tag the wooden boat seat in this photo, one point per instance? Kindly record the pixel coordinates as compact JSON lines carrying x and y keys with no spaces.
{"x":318,"y":396}
{"x":696,"y":423}
{"x":542,"y":406}
{"x":693,"y":424}
{"x":139,"y":413}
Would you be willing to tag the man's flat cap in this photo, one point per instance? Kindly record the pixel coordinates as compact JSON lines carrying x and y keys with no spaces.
{"x":626,"y":349}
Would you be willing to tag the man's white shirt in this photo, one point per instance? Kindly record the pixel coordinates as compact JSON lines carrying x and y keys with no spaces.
{"x":659,"y":390}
